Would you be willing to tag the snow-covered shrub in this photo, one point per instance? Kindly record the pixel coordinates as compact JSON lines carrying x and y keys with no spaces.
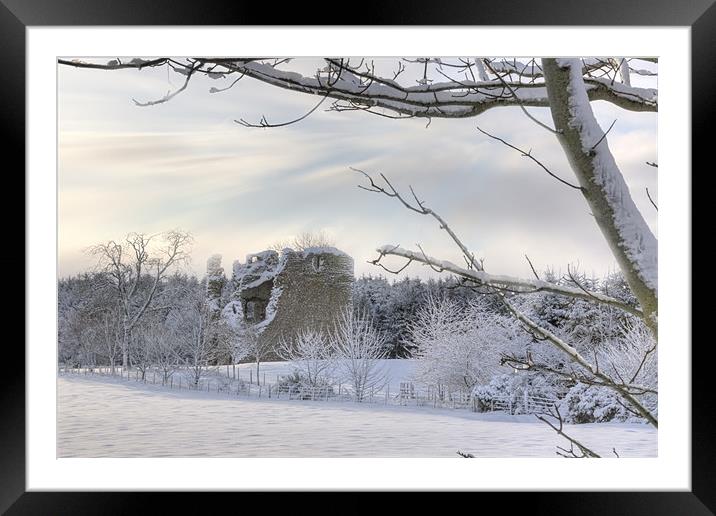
{"x":292,"y":380}
{"x":631,"y":358}
{"x":634,"y":357}
{"x":509,"y":390}
{"x":592,"y":404}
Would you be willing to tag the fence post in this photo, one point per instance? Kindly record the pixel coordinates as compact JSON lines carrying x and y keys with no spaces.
{"x":526,"y":401}
{"x":251,"y":376}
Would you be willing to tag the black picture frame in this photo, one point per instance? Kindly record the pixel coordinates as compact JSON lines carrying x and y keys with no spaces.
{"x":17,"y":15}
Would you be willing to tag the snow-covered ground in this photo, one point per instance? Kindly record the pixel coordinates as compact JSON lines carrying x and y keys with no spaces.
{"x":398,"y":370}
{"x":108,"y":417}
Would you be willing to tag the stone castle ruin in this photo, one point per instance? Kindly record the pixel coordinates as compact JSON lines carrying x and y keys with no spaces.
{"x":280,"y":295}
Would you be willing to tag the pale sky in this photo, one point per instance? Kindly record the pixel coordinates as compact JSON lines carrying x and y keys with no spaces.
{"x":186,"y":164}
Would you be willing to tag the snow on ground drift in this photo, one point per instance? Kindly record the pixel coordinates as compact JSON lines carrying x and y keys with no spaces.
{"x":105,"y":417}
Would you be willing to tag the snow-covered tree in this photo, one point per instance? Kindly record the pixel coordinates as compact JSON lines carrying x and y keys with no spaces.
{"x":198,"y":332}
{"x":164,"y":350}
{"x":459,"y":347}
{"x":247,"y":342}
{"x":111,"y":336}
{"x":311,"y":355}
{"x":134,"y":268}
{"x":358,"y":349}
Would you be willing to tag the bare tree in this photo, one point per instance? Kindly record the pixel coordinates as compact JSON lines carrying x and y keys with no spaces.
{"x":311,"y":354}
{"x":304,"y":241}
{"x":258,"y":348}
{"x":199,"y":333}
{"x":87,"y":333}
{"x":164,"y":350}
{"x":111,"y":337}
{"x":359,"y":348}
{"x":140,"y":350}
{"x":235,"y":346}
{"x":134,"y":268}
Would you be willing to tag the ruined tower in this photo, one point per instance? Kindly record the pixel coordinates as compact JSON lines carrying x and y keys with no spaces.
{"x":283,"y":294}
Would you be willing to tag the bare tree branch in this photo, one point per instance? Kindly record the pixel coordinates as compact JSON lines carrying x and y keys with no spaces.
{"x":651,"y":200}
{"x":530,"y":156}
{"x":559,"y":428}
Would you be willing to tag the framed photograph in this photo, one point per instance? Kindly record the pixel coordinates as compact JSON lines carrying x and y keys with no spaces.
{"x":252,"y":266}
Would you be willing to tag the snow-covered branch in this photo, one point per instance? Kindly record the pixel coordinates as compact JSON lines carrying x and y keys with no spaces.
{"x":632,"y":243}
{"x":453,"y":98}
{"x":501,"y":282}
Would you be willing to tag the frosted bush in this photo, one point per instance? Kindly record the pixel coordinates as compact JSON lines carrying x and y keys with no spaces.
{"x":592,"y":404}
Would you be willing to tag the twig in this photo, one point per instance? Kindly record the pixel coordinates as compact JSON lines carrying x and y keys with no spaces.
{"x":533,"y":268}
{"x":651,"y":200}
{"x":591,"y":151}
{"x":585,"y":452}
{"x":264,"y":123}
{"x":530,"y":156}
{"x":519,"y":103}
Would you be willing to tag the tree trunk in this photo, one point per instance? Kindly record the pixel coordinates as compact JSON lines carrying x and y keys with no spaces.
{"x":631,"y":241}
{"x":125,"y":349}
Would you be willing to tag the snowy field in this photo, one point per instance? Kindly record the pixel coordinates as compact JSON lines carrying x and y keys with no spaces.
{"x":397,"y":370}
{"x":106,"y":417}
